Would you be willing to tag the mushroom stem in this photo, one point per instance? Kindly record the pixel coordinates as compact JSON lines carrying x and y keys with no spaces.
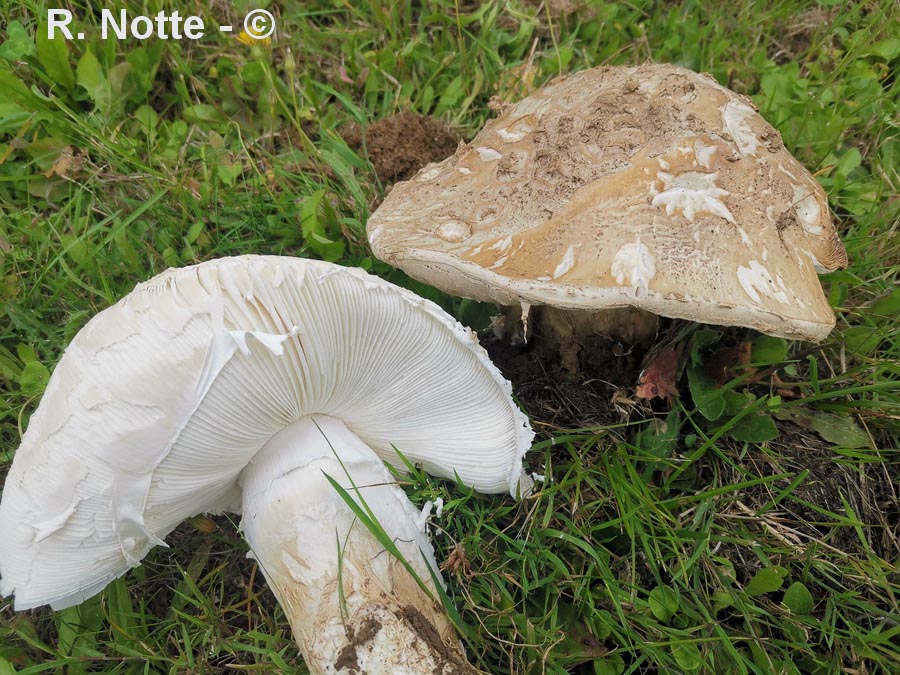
{"x":568,"y":328}
{"x":352,"y":605}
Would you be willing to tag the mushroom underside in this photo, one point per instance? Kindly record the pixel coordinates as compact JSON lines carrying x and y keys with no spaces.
{"x":278,"y":373}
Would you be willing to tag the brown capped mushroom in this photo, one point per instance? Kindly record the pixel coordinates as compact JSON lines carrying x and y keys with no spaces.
{"x":650,"y":188}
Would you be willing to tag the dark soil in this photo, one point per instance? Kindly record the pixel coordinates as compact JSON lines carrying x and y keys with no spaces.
{"x":401,"y":144}
{"x":347,"y":660}
{"x":453,"y":662}
{"x":601,"y":392}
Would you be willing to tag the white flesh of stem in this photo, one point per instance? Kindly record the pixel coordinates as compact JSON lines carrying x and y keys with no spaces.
{"x":351,"y":604}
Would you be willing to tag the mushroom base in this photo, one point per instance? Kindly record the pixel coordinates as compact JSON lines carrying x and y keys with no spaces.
{"x":352,"y":605}
{"x":568,"y":328}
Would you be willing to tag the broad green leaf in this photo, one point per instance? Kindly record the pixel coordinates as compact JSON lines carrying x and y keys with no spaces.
{"x":769,"y":349}
{"x":203,"y":113}
{"x":888,"y":49}
{"x":145,"y":62}
{"x":26,"y":353}
{"x":90,"y":75}
{"x":195,"y":231}
{"x":17,"y":44}
{"x":687,"y":655}
{"x":840,"y":429}
{"x":721,"y":600}
{"x":315,"y":217}
{"x":610,"y":665}
{"x":862,"y":340}
{"x":147,"y":118}
{"x":13,"y":90}
{"x":798,"y":599}
{"x":451,"y":96}
{"x":767,"y":580}
{"x":887,"y":305}
{"x":658,"y":437}
{"x":707,"y":397}
{"x":253,"y":73}
{"x":848,"y":162}
{"x":702,"y":339}
{"x":756,"y":427}
{"x":736,"y":401}
{"x":117,"y":75}
{"x":54,"y":57}
{"x":664,"y":602}
{"x":33,"y":378}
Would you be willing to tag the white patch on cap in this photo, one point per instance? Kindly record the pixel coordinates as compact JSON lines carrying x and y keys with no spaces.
{"x":786,"y":172}
{"x":635,"y":266}
{"x":807,"y":209}
{"x":566,"y":263}
{"x":692,"y":192}
{"x":375,"y":233}
{"x":663,"y":164}
{"x":735,"y":116}
{"x":499,"y":262}
{"x":744,"y":238}
{"x":518,"y":129}
{"x":704,"y":154}
{"x":502,"y":244}
{"x":488,"y":154}
{"x":649,"y":86}
{"x":756,"y":280}
{"x":429,"y":173}
{"x":820,"y":268}
{"x":464,"y":171}
{"x":454,"y":230}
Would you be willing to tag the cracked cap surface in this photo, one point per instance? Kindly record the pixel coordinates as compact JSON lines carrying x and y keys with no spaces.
{"x":649,"y":186}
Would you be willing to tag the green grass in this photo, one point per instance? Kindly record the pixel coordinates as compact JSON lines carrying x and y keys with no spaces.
{"x":687,"y":541}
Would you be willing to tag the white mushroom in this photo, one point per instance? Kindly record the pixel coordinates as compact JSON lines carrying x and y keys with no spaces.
{"x":244,"y":384}
{"x":650,"y":189}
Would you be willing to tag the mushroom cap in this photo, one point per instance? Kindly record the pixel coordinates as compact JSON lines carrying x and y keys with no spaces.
{"x":162,"y":399}
{"x":650,"y":186}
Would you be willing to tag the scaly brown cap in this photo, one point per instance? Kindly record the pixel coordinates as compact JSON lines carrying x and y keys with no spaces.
{"x":651,"y":186}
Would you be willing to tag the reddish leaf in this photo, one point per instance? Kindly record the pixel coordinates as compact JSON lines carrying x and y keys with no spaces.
{"x":659,"y":377}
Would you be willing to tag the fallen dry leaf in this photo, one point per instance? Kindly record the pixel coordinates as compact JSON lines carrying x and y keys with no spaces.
{"x":457,"y":561}
{"x":64,"y":165}
{"x":659,"y":377}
